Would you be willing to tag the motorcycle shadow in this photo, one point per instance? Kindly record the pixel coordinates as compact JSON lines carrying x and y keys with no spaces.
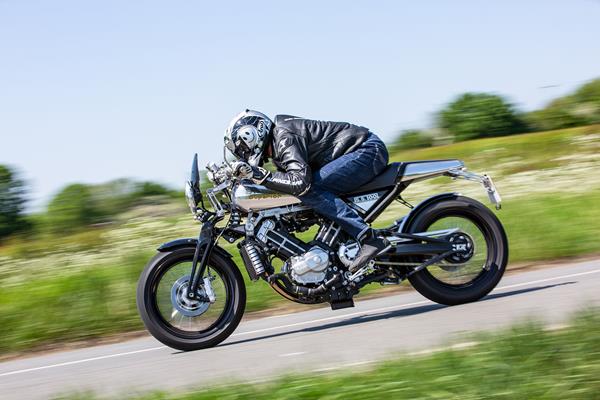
{"x":405,"y":312}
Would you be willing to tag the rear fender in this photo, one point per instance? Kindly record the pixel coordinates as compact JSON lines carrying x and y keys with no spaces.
{"x":407,"y":220}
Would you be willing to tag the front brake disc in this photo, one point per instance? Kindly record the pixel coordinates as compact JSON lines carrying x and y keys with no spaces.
{"x":182,"y":303}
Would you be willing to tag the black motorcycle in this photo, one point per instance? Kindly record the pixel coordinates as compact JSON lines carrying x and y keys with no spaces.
{"x":191,"y":295}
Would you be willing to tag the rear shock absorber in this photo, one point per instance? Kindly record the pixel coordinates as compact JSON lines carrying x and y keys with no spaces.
{"x":253,"y":260}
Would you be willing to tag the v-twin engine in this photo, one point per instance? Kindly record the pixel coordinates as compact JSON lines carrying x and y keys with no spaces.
{"x":304,"y":265}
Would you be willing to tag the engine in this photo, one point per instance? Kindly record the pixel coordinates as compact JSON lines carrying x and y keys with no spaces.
{"x":305,"y":265}
{"x":310,"y":267}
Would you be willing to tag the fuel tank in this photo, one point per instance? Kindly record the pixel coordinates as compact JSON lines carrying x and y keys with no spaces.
{"x":257,"y":197}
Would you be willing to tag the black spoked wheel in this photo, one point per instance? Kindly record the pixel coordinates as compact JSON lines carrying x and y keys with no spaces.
{"x":190,"y":324}
{"x":476,"y":269}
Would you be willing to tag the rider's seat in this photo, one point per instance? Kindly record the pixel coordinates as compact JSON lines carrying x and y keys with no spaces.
{"x":386,"y":179}
{"x":409,"y":172}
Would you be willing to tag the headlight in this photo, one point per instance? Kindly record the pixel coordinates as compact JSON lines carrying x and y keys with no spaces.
{"x":191,"y":200}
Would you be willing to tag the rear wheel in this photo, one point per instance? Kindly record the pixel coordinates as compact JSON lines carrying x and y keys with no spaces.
{"x":190,"y":324}
{"x":473,"y":272}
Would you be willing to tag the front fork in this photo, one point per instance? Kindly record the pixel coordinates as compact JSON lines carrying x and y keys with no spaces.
{"x":206,"y":242}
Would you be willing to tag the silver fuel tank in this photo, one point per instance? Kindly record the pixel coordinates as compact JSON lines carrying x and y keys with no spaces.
{"x":256,"y":197}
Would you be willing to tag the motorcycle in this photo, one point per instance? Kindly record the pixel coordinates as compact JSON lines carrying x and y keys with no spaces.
{"x":191,"y":295}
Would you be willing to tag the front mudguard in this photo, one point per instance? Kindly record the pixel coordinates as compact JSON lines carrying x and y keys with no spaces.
{"x":191,"y":243}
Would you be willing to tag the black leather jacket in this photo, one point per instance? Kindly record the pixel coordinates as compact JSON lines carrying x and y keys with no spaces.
{"x":301,"y":146}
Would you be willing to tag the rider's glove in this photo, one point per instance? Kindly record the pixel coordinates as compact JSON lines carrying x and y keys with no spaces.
{"x":243,"y":170}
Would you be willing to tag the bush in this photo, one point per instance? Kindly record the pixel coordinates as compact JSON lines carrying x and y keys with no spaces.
{"x":151,"y":189}
{"x":577,"y":109}
{"x":474,"y":115}
{"x":80,"y":205}
{"x":413,"y":139}
{"x":557,"y":115}
{"x":72,"y":208}
{"x":587,"y":102}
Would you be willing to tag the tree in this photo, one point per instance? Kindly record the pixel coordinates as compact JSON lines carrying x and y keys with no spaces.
{"x":72,"y":208}
{"x":12,"y":202}
{"x":474,"y":115}
{"x":413,"y":139}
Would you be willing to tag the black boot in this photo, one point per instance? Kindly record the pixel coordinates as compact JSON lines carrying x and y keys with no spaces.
{"x":370,"y":246}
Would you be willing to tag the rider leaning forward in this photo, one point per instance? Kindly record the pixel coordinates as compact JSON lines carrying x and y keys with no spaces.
{"x":317,"y":161}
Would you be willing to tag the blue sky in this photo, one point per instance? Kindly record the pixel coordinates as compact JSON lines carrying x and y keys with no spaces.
{"x":96,"y":90}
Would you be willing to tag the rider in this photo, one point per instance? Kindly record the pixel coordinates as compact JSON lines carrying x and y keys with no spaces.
{"x":316,"y":161}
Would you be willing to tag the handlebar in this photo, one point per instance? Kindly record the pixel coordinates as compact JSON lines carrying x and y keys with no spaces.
{"x":219,"y":174}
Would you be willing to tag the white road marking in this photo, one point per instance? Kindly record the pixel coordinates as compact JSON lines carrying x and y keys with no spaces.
{"x":81,"y":361}
{"x":277,"y":316}
{"x":547,"y":280}
{"x":298,"y":353}
{"x":337,"y":317}
{"x":457,"y":346}
{"x":348,"y":365}
{"x":326,"y":369}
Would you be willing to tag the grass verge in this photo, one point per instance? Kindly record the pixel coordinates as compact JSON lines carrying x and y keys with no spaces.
{"x":525,"y":362}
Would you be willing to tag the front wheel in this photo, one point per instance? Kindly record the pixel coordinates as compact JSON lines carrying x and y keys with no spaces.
{"x":475,"y":271}
{"x":184,"y":324}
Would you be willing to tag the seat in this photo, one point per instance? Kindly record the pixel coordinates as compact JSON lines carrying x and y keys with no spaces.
{"x":388,"y":178}
{"x":409,"y":172}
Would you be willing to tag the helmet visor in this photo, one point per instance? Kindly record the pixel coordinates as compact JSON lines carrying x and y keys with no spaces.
{"x":241,"y":151}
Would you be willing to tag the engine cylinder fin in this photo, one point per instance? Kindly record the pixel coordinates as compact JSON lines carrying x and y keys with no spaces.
{"x":328,"y":233}
{"x":284,"y":244}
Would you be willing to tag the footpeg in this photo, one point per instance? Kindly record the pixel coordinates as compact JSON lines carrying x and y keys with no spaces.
{"x":338,"y":305}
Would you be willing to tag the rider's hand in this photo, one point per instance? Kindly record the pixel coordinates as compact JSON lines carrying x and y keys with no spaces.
{"x":242,"y":170}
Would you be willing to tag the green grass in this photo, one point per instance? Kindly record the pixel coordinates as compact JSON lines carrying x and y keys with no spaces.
{"x":551,"y":227}
{"x":525,"y":362}
{"x":43,"y":300}
{"x":533,"y":151}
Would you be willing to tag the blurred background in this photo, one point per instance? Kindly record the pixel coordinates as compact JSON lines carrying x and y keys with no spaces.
{"x":102,"y":105}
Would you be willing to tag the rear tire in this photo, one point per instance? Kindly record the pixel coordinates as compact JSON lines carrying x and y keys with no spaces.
{"x":233,"y":305}
{"x":497,"y":251}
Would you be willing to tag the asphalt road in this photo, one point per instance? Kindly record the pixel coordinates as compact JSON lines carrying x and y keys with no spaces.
{"x":312,"y":341}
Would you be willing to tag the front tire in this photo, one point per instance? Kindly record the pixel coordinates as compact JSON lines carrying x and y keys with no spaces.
{"x":187,"y":325}
{"x":483,"y":279}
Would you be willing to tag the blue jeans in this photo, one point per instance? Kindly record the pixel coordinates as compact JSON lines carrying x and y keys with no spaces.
{"x":342,"y":176}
